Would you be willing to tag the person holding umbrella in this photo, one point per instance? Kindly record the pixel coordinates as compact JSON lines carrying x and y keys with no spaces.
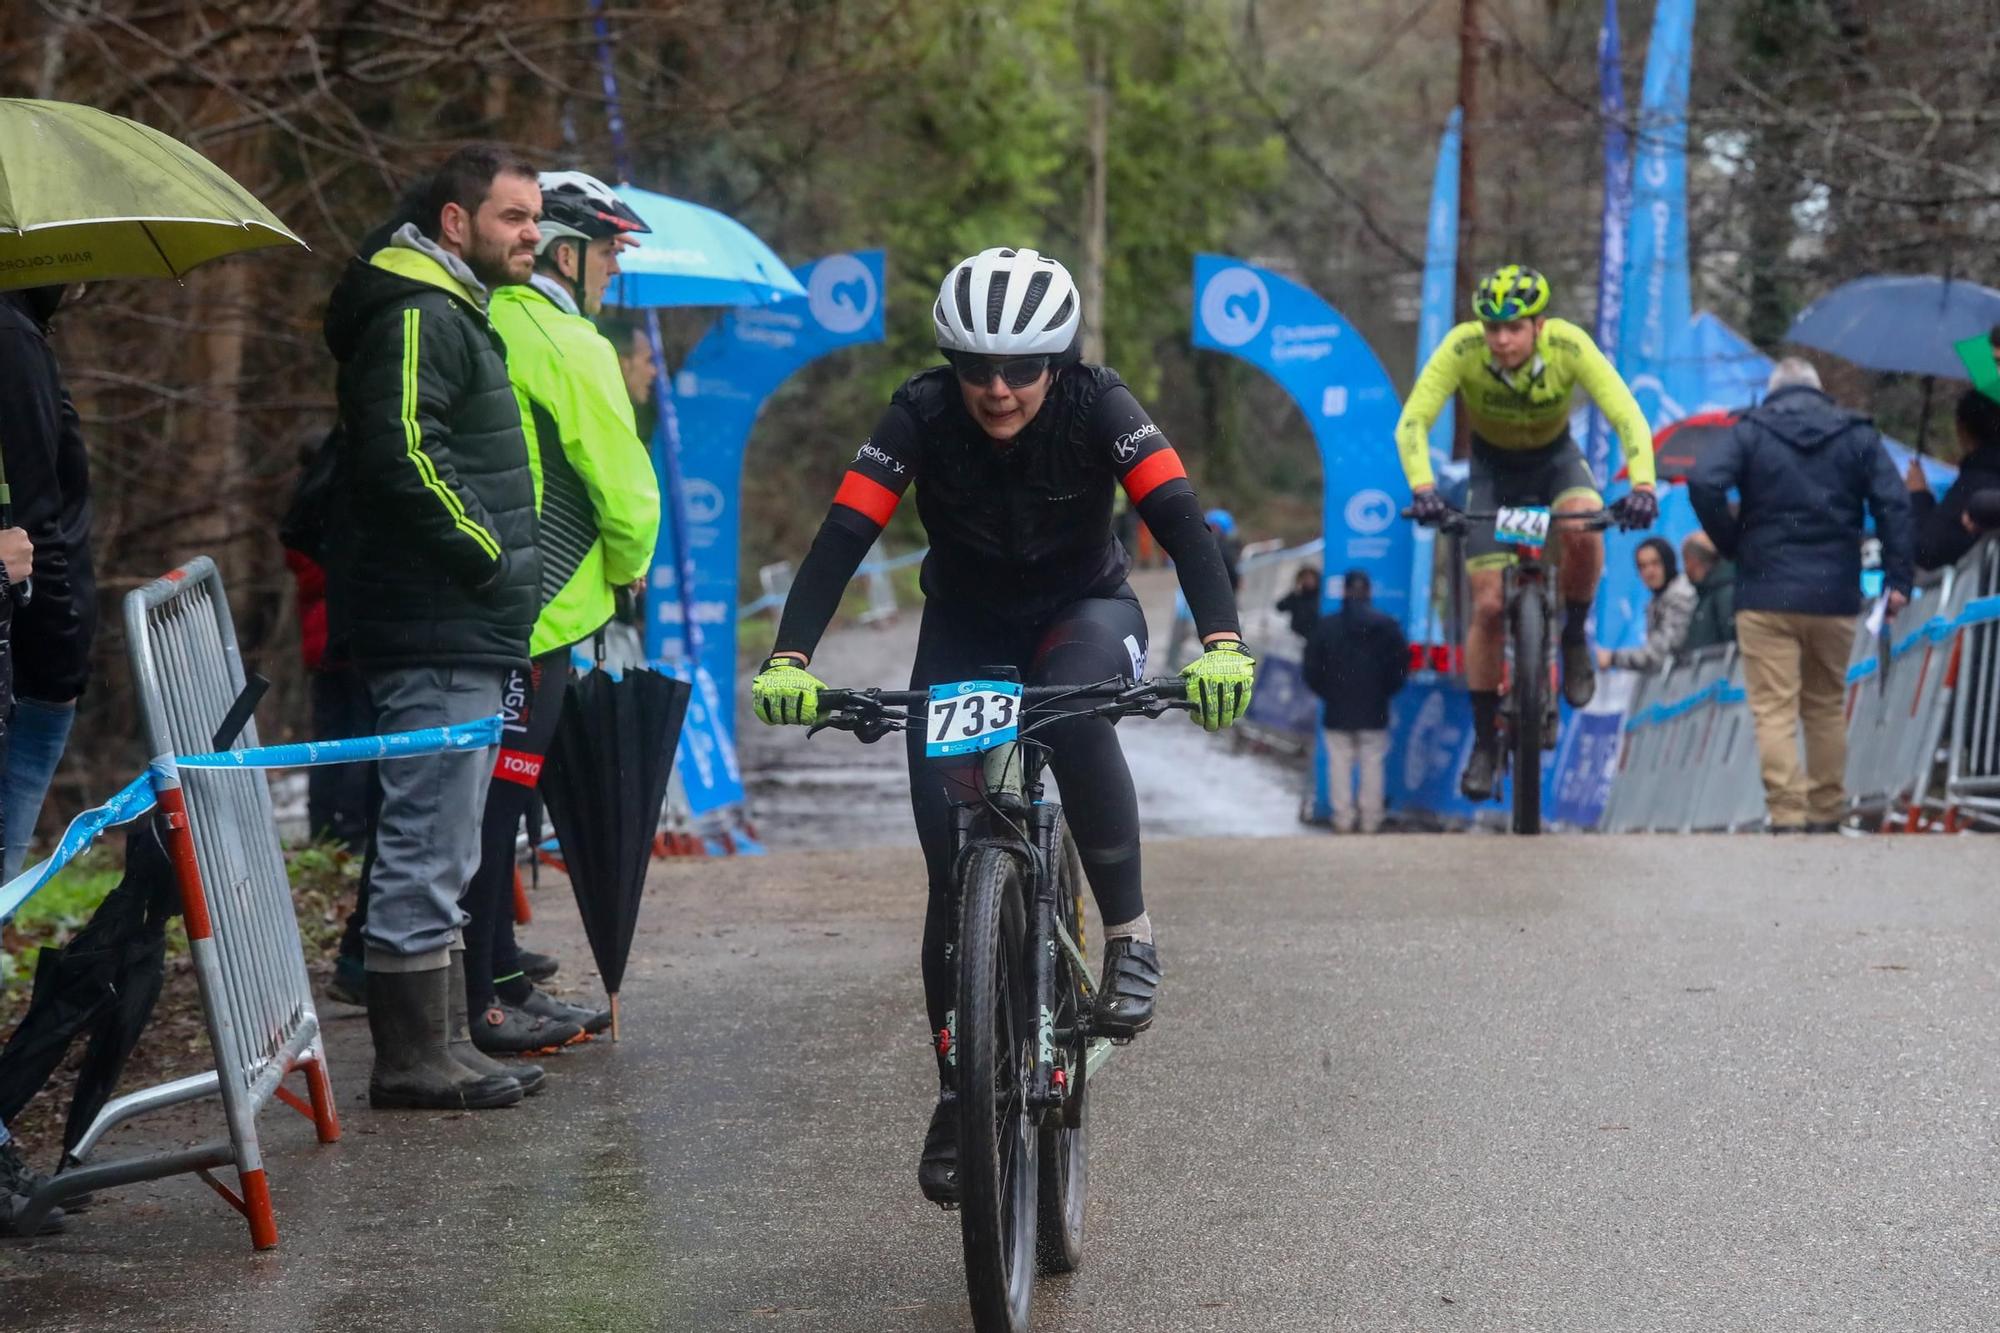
{"x":600,"y":512}
{"x":434,"y":579}
{"x":1948,"y":526}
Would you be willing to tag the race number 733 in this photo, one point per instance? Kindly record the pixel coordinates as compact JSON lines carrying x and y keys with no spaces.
{"x":969,"y":716}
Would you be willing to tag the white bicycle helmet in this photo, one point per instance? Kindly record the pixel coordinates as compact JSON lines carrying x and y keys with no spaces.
{"x":578,"y":206}
{"x":1008,"y":303}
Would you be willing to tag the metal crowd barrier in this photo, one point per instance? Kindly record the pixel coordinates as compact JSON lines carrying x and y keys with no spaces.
{"x":1923,"y":724}
{"x":237,"y":900}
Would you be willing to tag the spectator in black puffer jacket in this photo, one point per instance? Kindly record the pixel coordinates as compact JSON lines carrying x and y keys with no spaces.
{"x":1807,"y":471}
{"x":1947,"y":526}
{"x":434,"y":585}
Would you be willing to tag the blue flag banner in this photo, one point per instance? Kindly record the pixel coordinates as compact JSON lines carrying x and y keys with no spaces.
{"x":1434,"y":316}
{"x":717,"y":397}
{"x":1658,"y":306}
{"x":1617,"y":217}
{"x":1434,"y":321}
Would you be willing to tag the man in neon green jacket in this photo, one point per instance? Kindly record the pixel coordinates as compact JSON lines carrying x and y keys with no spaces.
{"x":599,"y":511}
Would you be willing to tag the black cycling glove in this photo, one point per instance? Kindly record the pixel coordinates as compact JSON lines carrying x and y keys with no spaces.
{"x":1428,"y":507}
{"x":1637,"y":510}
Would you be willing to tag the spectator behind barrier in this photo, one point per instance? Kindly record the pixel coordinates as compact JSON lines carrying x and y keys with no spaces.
{"x":434,"y":581}
{"x":1807,"y":470}
{"x":1301,"y":604}
{"x":1714,"y":580}
{"x":1947,"y":527}
{"x":1356,"y":661}
{"x":49,"y":471}
{"x":1667,"y":614}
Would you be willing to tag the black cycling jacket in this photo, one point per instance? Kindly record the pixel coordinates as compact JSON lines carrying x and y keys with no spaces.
{"x":1020,"y":529}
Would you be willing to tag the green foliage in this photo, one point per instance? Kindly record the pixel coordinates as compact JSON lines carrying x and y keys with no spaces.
{"x":57,"y":911}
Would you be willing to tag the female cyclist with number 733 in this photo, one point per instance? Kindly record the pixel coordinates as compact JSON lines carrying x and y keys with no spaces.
{"x":1015,"y":449}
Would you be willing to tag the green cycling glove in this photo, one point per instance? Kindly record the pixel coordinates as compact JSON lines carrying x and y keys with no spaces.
{"x":786,"y":694}
{"x":1220,"y":681}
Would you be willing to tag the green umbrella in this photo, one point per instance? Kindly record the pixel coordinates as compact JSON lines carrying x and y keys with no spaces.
{"x":86,"y":195}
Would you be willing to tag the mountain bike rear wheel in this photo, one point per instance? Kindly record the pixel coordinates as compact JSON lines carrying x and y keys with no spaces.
{"x":1065,"y":1161}
{"x":998,"y":1142}
{"x":1527,"y":688}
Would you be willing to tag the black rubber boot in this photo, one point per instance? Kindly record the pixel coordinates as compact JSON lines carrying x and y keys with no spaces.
{"x":409,"y":1016}
{"x":1130,"y":986}
{"x":1482,"y":767}
{"x":505,"y":1030}
{"x":544,"y":1005}
{"x":1579,"y":671}
{"x":532,"y":1078}
{"x":937,"y":1169}
{"x":538,"y":966}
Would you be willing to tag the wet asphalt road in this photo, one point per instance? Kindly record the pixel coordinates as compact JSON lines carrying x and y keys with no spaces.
{"x":1422,"y":1083}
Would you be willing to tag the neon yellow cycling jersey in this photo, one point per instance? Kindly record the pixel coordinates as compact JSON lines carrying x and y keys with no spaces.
{"x":1525,"y":410}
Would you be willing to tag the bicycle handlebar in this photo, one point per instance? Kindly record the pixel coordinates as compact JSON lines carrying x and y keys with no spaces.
{"x":1454,"y":520}
{"x":868,"y":711}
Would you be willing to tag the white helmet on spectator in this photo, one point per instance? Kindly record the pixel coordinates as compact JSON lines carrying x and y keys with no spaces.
{"x":1004,"y":302}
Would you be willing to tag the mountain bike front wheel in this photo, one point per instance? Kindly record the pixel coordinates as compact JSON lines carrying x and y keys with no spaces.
{"x":1528,"y":687}
{"x":998,"y":1141}
{"x":1065,"y":1160}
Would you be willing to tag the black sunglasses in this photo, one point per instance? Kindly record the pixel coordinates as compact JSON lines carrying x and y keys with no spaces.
{"x":1018,"y":371}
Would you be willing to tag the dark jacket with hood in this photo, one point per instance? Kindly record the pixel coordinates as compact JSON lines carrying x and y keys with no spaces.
{"x":1714,"y":620}
{"x":1806,"y":470}
{"x":49,"y":475}
{"x":1941,"y":536}
{"x":432,"y":554}
{"x":1356,"y":661}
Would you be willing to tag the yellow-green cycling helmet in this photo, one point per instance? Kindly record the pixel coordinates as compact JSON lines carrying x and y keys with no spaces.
{"x":1510,"y":292}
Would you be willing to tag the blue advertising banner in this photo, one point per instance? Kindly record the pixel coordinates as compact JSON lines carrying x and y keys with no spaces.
{"x":718,"y":394}
{"x":1291,"y":334}
{"x":1658,"y":306}
{"x":1310,"y":349}
{"x":1583,"y":767}
{"x":1430,"y":733}
{"x":1616,"y":218}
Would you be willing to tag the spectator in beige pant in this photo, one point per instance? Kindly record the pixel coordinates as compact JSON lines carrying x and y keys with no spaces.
{"x":1806,"y":471}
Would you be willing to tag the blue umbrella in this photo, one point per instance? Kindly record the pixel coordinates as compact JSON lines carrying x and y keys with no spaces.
{"x":1898,"y":324}
{"x":696,"y":256}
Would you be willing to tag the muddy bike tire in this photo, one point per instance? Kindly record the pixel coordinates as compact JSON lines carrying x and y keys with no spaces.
{"x":998,"y":1145}
{"x":1528,"y":686}
{"x":1065,"y":1146}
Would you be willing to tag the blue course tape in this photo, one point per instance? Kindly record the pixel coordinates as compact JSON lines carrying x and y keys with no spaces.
{"x":135,"y":798}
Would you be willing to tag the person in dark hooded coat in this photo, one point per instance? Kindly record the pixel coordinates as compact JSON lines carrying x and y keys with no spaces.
{"x":1809,"y":474}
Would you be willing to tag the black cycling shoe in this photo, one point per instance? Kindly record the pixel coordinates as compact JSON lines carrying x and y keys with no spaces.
{"x":1131,"y":985}
{"x":937,"y":1169}
{"x":1481,"y":770}
{"x":1579,"y":671}
{"x":538,"y":966}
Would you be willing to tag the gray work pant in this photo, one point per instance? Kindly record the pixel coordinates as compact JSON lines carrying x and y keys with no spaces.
{"x":1346,"y":751}
{"x":427,"y":834}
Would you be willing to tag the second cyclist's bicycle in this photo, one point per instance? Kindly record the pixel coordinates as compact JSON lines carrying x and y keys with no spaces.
{"x":1019,"y":1039}
{"x":1530,"y":719}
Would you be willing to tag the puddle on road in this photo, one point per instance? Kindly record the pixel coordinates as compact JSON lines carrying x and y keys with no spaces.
{"x":834,"y":792}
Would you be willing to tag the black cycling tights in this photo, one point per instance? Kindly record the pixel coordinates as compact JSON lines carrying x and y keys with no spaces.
{"x":1085,"y":642}
{"x":530,"y":705}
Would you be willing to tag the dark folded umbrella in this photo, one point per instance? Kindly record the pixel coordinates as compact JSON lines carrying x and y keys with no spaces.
{"x":604,"y":785}
{"x":104,"y":982}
